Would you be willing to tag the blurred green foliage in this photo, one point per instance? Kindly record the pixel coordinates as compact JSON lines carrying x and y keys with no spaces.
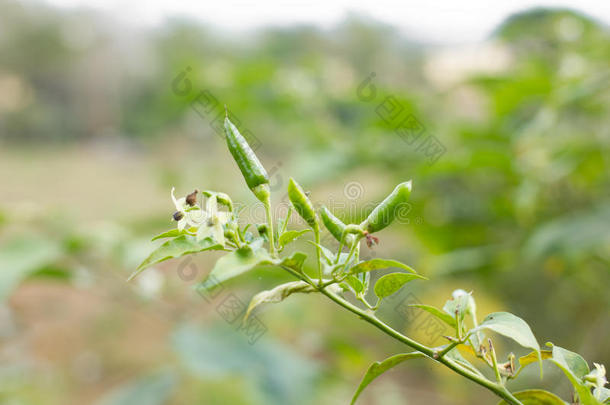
{"x":517,"y":207}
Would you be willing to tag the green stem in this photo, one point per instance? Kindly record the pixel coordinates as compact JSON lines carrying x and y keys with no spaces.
{"x":458,"y":325}
{"x":494,"y":361}
{"x":316,"y":232}
{"x":366,"y":303}
{"x":341,"y":244}
{"x":352,"y":250}
{"x":285,"y":224}
{"x":475,"y":323}
{"x":267,"y":204}
{"x":447,"y":349}
{"x":497,"y":389}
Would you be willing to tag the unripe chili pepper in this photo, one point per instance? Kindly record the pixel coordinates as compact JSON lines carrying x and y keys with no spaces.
{"x":251,"y":168}
{"x":302,"y":204}
{"x":334,"y":225}
{"x":385,"y":212}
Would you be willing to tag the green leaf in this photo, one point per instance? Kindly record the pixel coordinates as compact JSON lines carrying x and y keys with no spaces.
{"x":573,"y":361}
{"x":278,"y":294}
{"x":378,"y":264}
{"x":532,"y":357}
{"x":290,"y":236}
{"x":391,"y":283}
{"x":355,"y":283}
{"x":378,"y":368}
{"x":243,"y":260}
{"x":172,"y":233}
{"x":513,"y":327}
{"x":177,"y":247}
{"x":536,"y":397}
{"x":234,"y":264}
{"x":448,"y":319}
{"x":575,"y":368}
{"x":295,"y":261}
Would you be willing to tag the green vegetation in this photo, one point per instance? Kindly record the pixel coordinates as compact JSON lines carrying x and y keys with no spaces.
{"x":338,"y":274}
{"x":98,"y":121}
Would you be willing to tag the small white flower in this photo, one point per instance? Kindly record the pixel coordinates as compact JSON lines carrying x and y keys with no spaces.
{"x":597,"y":377}
{"x":472,"y":307}
{"x":214,"y":221}
{"x":185,"y":214}
{"x":209,"y":222}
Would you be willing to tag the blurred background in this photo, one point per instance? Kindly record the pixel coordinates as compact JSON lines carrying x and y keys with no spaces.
{"x":500,"y":117}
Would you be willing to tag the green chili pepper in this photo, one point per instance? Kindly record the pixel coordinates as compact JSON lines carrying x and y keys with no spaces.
{"x":251,"y":168}
{"x":302,"y":204}
{"x":384,"y":213}
{"x":334,"y":225}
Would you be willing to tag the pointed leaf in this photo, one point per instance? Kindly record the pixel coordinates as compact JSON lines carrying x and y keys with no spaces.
{"x":378,"y":368}
{"x":536,"y":397}
{"x":391,"y":283}
{"x":177,"y":247}
{"x":172,"y":233}
{"x":245,"y":259}
{"x":532,"y":357}
{"x":378,"y":264}
{"x":295,"y":261}
{"x":575,"y":368}
{"x":355,"y":283}
{"x":290,"y":236}
{"x":573,"y":361}
{"x":513,"y":327}
{"x":448,"y":319}
{"x":234,"y":264}
{"x":278,"y":294}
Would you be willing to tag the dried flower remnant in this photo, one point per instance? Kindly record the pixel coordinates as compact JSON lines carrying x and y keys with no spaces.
{"x":191,"y":199}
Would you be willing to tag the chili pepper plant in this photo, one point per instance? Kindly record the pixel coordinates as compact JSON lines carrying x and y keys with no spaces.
{"x":342,"y":277}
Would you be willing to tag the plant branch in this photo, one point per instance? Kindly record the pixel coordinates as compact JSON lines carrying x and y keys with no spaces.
{"x":494,"y":361}
{"x":267,"y":205}
{"x":447,"y":349}
{"x":369,"y":316}
{"x":497,"y":389}
{"x":316,"y":232}
{"x":352,"y":250}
